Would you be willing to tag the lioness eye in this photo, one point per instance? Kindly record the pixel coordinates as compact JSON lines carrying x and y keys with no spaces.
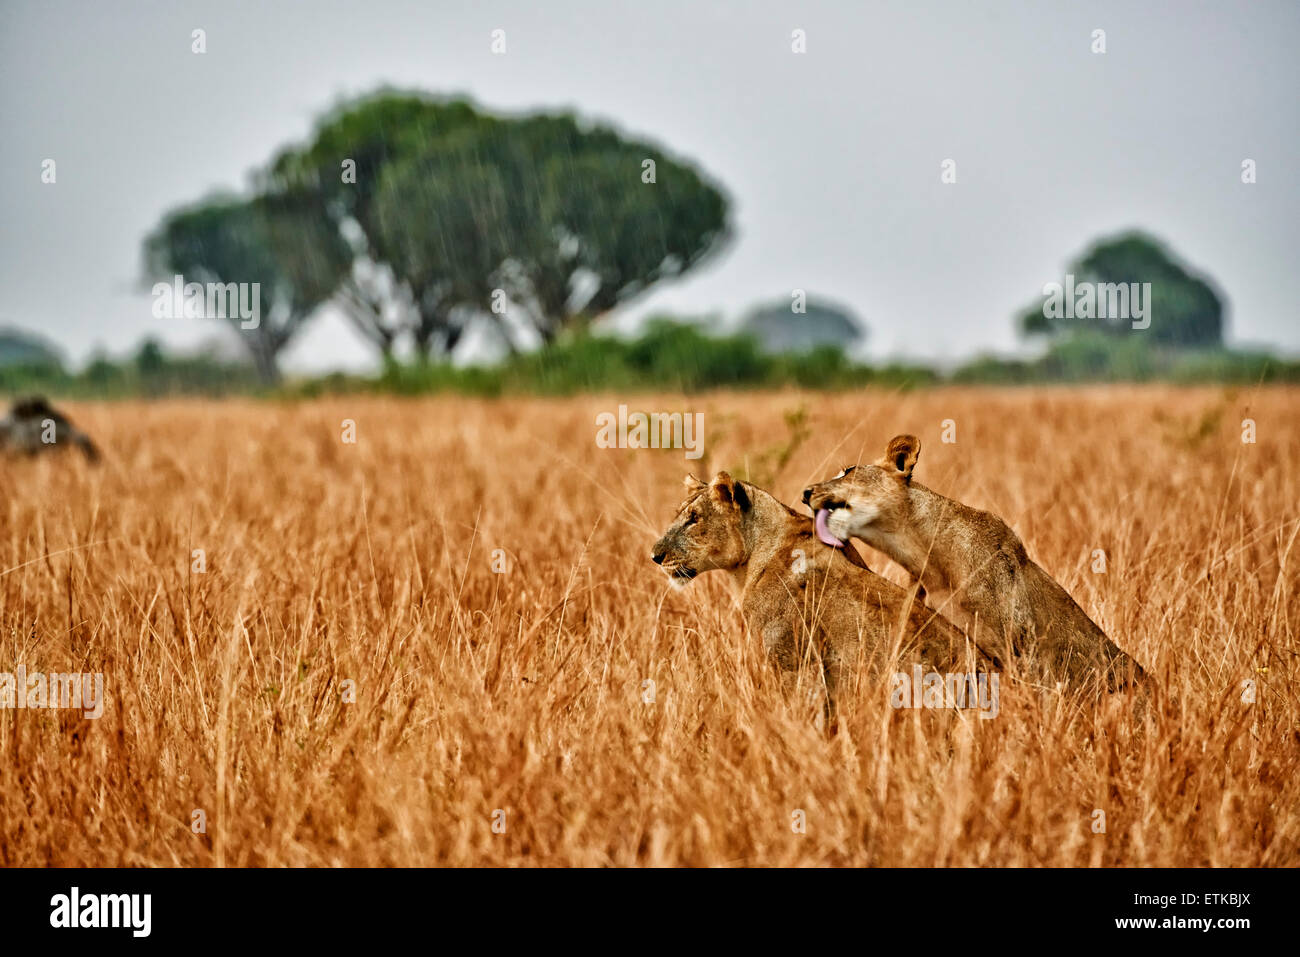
{"x":692,"y":518}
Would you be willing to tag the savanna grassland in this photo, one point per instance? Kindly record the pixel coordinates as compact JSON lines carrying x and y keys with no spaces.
{"x":357,"y":676}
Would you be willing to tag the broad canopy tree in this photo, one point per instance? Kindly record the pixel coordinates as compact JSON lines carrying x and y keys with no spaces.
{"x":230,"y":240}
{"x":412,"y":214}
{"x":336,"y":176}
{"x":1185,"y":309}
{"x":443,"y":207}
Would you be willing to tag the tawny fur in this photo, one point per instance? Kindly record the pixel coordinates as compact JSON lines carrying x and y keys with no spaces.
{"x":973,"y":569}
{"x":801,"y":599}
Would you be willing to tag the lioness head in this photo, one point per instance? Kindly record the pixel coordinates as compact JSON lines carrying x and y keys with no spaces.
{"x":706,"y":533}
{"x":863,"y":496}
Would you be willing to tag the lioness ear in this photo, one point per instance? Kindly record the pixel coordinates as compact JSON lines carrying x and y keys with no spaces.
{"x":692,"y":484}
{"x":727,"y":491}
{"x":901,"y":455}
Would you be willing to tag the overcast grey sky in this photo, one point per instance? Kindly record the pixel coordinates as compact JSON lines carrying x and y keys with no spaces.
{"x":832,"y":158}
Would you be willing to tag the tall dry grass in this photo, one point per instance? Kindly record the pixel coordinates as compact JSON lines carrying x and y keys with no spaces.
{"x":524,"y":690}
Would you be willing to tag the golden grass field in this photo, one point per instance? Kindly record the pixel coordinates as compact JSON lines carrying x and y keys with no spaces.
{"x":523,"y":690}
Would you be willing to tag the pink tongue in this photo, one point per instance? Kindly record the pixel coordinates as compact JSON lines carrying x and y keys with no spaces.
{"x":823,"y":532}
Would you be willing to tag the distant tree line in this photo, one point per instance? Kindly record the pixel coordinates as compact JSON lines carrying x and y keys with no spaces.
{"x":417,"y":217}
{"x":668,"y":355}
{"x":148,"y":371}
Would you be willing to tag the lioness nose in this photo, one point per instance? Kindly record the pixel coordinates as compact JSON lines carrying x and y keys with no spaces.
{"x":807,"y":494}
{"x":658,"y":557}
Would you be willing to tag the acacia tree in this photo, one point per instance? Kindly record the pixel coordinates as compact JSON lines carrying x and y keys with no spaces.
{"x":1186,"y":309}
{"x":627,"y":234}
{"x":234,"y":240}
{"x":570,"y":221}
{"x":451,"y":251}
{"x":448,"y":205}
{"x":335,"y":178}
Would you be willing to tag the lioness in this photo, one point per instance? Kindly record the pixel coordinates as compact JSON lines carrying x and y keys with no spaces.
{"x":971,"y":566}
{"x":33,"y":426}
{"x":793,"y":592}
